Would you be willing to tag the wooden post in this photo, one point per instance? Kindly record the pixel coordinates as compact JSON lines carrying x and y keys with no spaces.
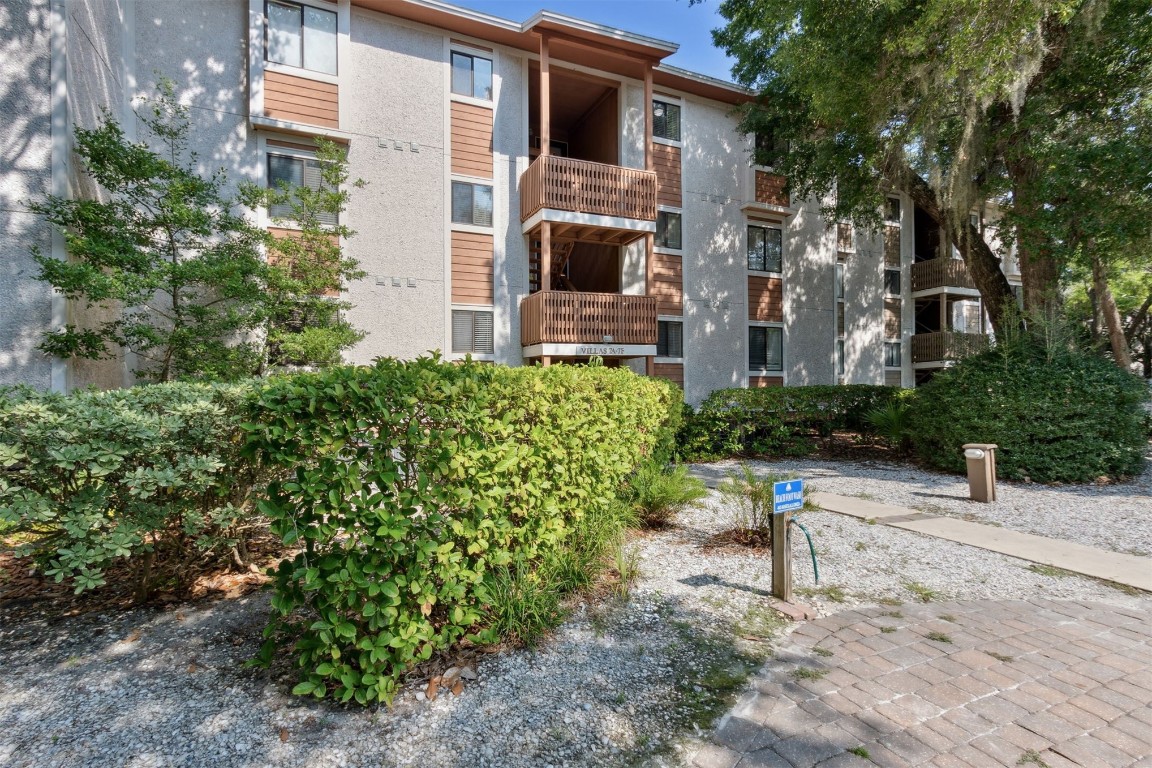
{"x":649,"y":159}
{"x":943,"y":312}
{"x":545,"y":255}
{"x":545,"y":100}
{"x":545,"y":360}
{"x":649,"y":286}
{"x":781,"y":558}
{"x":649,"y":240}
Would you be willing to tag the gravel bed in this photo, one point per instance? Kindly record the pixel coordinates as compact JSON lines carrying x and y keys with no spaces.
{"x":1116,"y":517}
{"x":626,"y":681}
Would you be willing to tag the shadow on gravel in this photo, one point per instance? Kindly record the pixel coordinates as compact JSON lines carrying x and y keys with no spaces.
{"x":706,"y":580}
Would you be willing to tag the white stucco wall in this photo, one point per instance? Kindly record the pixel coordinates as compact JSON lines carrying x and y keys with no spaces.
{"x":25,"y":174}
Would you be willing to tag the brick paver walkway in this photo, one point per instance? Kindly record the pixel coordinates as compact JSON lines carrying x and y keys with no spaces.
{"x":1031,"y":683}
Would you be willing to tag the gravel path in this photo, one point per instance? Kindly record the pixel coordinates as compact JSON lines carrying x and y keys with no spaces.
{"x":625,"y":682}
{"x":1115,"y":517}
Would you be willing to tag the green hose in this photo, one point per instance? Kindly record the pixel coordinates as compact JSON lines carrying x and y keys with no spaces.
{"x":811,"y":549}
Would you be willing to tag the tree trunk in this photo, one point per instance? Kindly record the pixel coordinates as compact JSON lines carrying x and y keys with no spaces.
{"x":1039,"y":267}
{"x":983,"y":264}
{"x":1135,"y":327}
{"x":1111,"y":314}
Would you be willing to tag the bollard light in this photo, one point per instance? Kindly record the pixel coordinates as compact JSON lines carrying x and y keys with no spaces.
{"x":974,"y":453}
{"x":981,"y":460}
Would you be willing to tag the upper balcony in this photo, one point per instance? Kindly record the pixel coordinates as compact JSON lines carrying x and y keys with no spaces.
{"x":581,"y":197}
{"x":942,"y":275}
{"x":569,"y":323}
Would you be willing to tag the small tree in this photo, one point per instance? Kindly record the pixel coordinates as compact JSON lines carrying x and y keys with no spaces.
{"x":169,"y":256}
{"x":306,"y":326}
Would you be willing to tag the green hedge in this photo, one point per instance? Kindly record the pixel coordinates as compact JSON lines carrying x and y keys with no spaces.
{"x":151,"y":474}
{"x":420,"y":487}
{"x":1058,"y":415}
{"x":785,"y":421}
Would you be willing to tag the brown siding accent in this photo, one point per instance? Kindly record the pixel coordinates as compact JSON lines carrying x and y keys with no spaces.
{"x":674,"y":372}
{"x":300,"y":100}
{"x":845,"y":241}
{"x":473,"y":46}
{"x":666,"y":161}
{"x":770,"y":189}
{"x":892,"y":318}
{"x":892,"y":245}
{"x":471,"y":140}
{"x":471,"y":268}
{"x":668,"y":287}
{"x":292,"y":145}
{"x":892,"y":378}
{"x":273,"y":257}
{"x":756,"y":382}
{"x":765,"y":299}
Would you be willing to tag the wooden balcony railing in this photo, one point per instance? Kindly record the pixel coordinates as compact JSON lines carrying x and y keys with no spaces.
{"x":581,"y":186}
{"x":564,"y":317}
{"x":940,"y":273}
{"x":946,"y":345}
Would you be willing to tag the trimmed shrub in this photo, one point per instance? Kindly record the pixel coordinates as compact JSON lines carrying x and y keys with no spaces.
{"x":788,"y":421}
{"x":151,"y":474}
{"x":1058,"y":415}
{"x":439,"y":503}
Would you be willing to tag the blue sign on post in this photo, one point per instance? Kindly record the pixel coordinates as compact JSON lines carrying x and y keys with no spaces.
{"x":787,"y":496}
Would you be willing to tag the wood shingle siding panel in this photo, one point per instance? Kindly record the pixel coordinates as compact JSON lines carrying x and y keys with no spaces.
{"x":273,"y":256}
{"x":892,"y":318}
{"x":667,"y":166}
{"x":471,"y":140}
{"x":673,"y":372}
{"x":765,"y":299}
{"x":892,"y":245}
{"x":668,"y":285}
{"x":770,"y":189}
{"x":756,"y":382}
{"x":300,"y":100}
{"x":471,"y":268}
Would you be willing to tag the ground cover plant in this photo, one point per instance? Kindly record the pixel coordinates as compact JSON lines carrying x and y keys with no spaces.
{"x":151,"y":476}
{"x":440,"y":504}
{"x":750,"y":495}
{"x":658,"y":493}
{"x":781,"y":421}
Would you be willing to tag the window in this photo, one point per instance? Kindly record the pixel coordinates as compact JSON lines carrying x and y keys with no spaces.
{"x":840,"y":281}
{"x":769,"y":150}
{"x":892,"y":282}
{"x":765,"y":348}
{"x":974,"y":220}
{"x":471,"y":204}
{"x":288,"y":171}
{"x":472,"y":331}
{"x":670,"y":341}
{"x":840,"y":367}
{"x":765,"y":249}
{"x":471,"y":76}
{"x":301,"y":36}
{"x":668,"y":230}
{"x":892,"y":210}
{"x":665,"y":120}
{"x":892,"y":354}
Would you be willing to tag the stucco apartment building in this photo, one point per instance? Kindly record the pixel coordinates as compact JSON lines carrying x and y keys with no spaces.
{"x":541,"y":191}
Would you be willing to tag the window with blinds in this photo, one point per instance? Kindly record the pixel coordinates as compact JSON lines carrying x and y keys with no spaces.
{"x":668,"y":230}
{"x":472,"y":331}
{"x":765,"y":348}
{"x":471,"y":204}
{"x":670,"y":339}
{"x":665,"y":120}
{"x":301,"y":36}
{"x":289,"y":172}
{"x":893,"y":354}
{"x":765,"y":249}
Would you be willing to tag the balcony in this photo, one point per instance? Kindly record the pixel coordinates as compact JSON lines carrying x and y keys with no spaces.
{"x":950,"y":275}
{"x":566,"y":323}
{"x":586,"y":200}
{"x":943,"y":346}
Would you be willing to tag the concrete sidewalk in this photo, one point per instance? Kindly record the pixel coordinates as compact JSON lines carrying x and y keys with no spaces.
{"x":1130,"y":570}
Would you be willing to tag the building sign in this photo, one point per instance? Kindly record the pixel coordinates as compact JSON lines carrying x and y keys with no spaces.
{"x":590,"y":350}
{"x":787,"y":496}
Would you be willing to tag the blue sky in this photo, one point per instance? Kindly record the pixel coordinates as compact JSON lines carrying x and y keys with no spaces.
{"x":672,"y":20}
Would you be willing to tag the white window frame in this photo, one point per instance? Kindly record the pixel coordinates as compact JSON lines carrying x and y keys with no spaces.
{"x":674,"y":101}
{"x":672,"y":319}
{"x":476,"y":228}
{"x":900,"y":344}
{"x":300,"y":154}
{"x":900,"y":203}
{"x":291,"y":69}
{"x":663,"y":249}
{"x":767,"y":373}
{"x":485,"y":356}
{"x":899,"y":293}
{"x":779,"y":226}
{"x":475,"y":53}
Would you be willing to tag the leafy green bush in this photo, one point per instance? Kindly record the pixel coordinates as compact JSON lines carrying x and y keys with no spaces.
{"x":750,"y":495}
{"x":1057,"y":414}
{"x":892,"y":421}
{"x":658,"y":493}
{"x":427,"y":494}
{"x":151,"y":474}
{"x":786,"y":421}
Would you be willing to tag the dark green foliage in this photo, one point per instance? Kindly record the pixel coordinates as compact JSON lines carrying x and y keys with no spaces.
{"x":891,"y":421}
{"x":658,"y":493}
{"x":152,"y":474}
{"x":786,"y":421}
{"x":438,"y":503}
{"x":1057,"y":414}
